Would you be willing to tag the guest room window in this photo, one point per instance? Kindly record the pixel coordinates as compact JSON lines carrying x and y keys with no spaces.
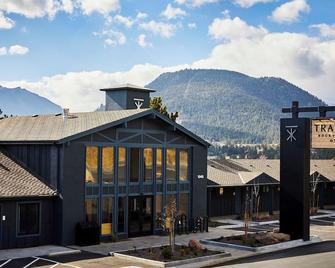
{"x":28,"y":219}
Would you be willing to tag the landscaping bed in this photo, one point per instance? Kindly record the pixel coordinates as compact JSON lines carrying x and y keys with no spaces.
{"x":259,"y":242}
{"x":164,"y":253}
{"x":255,"y":239}
{"x":162,"y":256}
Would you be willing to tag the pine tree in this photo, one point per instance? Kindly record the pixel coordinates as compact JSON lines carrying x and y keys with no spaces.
{"x":157,"y":104}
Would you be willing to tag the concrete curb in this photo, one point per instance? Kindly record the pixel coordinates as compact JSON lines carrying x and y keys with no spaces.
{"x":264,"y":249}
{"x":199,"y":261}
{"x":65,"y":252}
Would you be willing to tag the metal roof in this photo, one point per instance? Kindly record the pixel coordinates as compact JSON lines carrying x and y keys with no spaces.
{"x":128,"y":86}
{"x":57,"y":129}
{"x":16,"y":181}
{"x":239,"y":172}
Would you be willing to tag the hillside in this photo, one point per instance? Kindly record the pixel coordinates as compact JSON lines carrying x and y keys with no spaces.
{"x":19,"y":101}
{"x":229,"y":106}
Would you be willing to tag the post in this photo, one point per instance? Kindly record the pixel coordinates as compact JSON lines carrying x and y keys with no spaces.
{"x":294,"y":177}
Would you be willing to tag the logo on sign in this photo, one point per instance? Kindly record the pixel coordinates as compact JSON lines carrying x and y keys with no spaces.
{"x":138,"y":103}
{"x":291,"y":130}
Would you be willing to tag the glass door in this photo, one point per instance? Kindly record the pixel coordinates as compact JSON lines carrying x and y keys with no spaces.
{"x":140,"y":215}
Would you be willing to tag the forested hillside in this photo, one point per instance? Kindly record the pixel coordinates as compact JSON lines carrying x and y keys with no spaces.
{"x":227,"y":106}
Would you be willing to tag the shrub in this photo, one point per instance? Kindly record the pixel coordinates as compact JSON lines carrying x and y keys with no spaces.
{"x":167,"y":253}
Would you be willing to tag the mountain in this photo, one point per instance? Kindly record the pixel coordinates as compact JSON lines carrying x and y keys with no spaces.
{"x":19,"y":101}
{"x":228,"y":106}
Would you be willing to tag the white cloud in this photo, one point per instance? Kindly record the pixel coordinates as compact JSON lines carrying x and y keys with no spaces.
{"x":100,"y":6}
{"x":6,"y":23}
{"x":80,"y":91}
{"x":171,"y":12}
{"x":112,"y":38}
{"x":325,"y":30}
{"x":195,"y":3}
{"x":41,"y":8}
{"x":36,"y":8}
{"x":141,"y":41}
{"x":3,"y":51}
{"x":230,"y":29}
{"x":141,"y":15}
{"x":192,"y":25}
{"x":250,"y":3}
{"x":18,"y":50}
{"x":126,"y":21}
{"x":165,"y":30}
{"x":290,"y":12}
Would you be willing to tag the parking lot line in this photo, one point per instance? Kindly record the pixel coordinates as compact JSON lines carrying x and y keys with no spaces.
{"x":3,"y":264}
{"x":56,"y":262}
{"x":36,"y":259}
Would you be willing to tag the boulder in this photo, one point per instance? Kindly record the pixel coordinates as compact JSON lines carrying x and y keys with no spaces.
{"x":282,"y":237}
{"x":266,"y":239}
{"x":195,"y":244}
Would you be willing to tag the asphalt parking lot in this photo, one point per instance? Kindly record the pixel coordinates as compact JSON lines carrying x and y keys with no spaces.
{"x":77,"y":260}
{"x":322,"y":226}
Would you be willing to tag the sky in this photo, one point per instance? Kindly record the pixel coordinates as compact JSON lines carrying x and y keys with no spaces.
{"x":66,"y":50}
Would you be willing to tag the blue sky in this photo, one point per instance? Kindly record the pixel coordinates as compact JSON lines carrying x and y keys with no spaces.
{"x":61,"y":48}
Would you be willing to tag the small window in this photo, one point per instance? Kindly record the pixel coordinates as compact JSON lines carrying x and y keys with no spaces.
{"x":29,"y":219}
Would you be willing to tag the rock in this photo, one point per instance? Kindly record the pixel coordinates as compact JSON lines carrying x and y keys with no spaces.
{"x":266,"y":238}
{"x":195,"y":244}
{"x":282,"y":237}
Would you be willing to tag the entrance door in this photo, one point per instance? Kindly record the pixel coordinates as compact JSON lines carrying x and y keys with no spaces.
{"x":140,"y":215}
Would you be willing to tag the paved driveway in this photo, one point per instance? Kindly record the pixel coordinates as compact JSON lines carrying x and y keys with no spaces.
{"x":320,"y":255}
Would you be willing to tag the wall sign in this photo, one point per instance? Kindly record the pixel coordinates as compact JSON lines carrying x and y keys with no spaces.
{"x":323,"y":133}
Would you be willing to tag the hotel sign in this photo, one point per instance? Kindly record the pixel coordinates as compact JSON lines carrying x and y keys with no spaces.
{"x":323,"y":133}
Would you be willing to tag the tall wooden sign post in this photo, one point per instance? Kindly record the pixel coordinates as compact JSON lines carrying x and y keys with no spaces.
{"x":295,"y":145}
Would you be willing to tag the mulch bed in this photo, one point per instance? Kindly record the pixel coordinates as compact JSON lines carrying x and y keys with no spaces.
{"x":181,"y":253}
{"x":240,"y":240}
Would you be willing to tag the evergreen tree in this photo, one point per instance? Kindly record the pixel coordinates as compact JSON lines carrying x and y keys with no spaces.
{"x":157,"y":104}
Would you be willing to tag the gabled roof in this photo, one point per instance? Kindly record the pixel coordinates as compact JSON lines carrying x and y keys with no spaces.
{"x":128,"y":86}
{"x":57,"y":129}
{"x":239,"y":172}
{"x":16,"y":181}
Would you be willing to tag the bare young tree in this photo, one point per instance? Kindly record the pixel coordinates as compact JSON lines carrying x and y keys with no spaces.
{"x":314,"y":185}
{"x":169,"y":217}
{"x":256,"y":195}
{"x":247,"y":212}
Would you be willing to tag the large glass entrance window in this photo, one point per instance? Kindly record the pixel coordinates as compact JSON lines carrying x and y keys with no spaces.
{"x":159,"y":164}
{"x":91,"y":165}
{"x":171,"y":164}
{"x":107,"y":216}
{"x":148,"y":163}
{"x":183,"y":165}
{"x":183,"y":203}
{"x":134,"y":164}
{"x":159,"y":210}
{"x":121,"y":214}
{"x":122,"y":165}
{"x":91,"y":208}
{"x":107,"y":165}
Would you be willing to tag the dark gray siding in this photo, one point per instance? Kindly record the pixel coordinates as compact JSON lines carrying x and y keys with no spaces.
{"x":199,"y":185}
{"x":40,"y":159}
{"x":9,"y":238}
{"x":72,"y":189}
